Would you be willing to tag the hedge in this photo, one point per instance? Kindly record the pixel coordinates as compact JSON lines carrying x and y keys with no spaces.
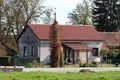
{"x":20,"y":61}
{"x":4,"y":61}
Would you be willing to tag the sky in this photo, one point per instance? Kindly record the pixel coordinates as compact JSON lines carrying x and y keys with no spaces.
{"x":63,"y":7}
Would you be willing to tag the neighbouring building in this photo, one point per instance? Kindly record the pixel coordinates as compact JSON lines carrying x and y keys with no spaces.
{"x":78,"y":42}
{"x":111,"y":38}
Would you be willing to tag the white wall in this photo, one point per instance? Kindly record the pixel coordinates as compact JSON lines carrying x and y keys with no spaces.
{"x":94,"y":44}
{"x":44,"y":52}
{"x":82,"y":56}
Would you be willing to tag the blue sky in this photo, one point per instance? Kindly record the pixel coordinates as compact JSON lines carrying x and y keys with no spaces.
{"x":63,"y":7}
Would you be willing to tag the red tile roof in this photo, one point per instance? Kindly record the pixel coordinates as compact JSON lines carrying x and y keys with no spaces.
{"x":111,"y":38}
{"x":78,"y":46}
{"x":68,"y":32}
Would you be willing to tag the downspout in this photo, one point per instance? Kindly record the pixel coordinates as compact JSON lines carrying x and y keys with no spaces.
{"x":39,"y":51}
{"x":86,"y":56}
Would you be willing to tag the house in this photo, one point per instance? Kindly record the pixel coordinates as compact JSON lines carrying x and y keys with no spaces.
{"x":111,"y":38}
{"x":112,"y":41}
{"x":78,"y":42}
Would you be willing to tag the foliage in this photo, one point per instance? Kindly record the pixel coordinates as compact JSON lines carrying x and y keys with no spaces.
{"x":114,"y":75}
{"x":104,"y":53}
{"x":4,"y":61}
{"x":113,"y":55}
{"x":14,"y":17}
{"x":9,"y":61}
{"x":81,"y":14}
{"x":61,"y":60}
{"x":116,"y":58}
{"x":106,"y":15}
{"x":55,"y":44}
{"x":113,"y":47}
{"x":20,"y":13}
{"x":48,"y":16}
{"x":26,"y":60}
{"x":86,"y":65}
{"x":109,"y":61}
{"x":34,"y":64}
{"x":93,"y":64}
{"x":78,"y":60}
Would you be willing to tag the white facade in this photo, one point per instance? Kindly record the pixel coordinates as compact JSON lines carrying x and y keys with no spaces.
{"x":45,"y":52}
{"x":94,"y":44}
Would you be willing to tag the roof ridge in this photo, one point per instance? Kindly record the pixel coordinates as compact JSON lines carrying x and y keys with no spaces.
{"x":61,"y":24}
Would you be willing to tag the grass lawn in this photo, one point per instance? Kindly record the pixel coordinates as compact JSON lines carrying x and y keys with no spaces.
{"x":60,"y":76}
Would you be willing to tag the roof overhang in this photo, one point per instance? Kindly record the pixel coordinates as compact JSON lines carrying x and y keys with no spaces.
{"x":78,"y":47}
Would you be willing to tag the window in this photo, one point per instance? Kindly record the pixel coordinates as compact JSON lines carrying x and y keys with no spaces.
{"x":32,"y":50}
{"x":24,"y":51}
{"x":95,"y":51}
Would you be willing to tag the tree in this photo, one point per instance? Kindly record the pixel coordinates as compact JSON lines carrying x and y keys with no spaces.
{"x":20,"y":13}
{"x":106,"y":15}
{"x":48,"y":16}
{"x":3,"y":41}
{"x":118,"y":15}
{"x":14,"y":17}
{"x":81,"y":14}
{"x":55,"y":44}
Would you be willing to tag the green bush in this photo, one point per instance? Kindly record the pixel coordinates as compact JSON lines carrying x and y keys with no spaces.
{"x":116,"y":58}
{"x":7,"y":61}
{"x":34,"y":64}
{"x":24,"y":61}
{"x":78,"y":61}
{"x":4,"y":61}
{"x":86,"y":65}
{"x":109,"y":61}
{"x":10,"y":61}
{"x":93,"y":64}
{"x":61,"y":59}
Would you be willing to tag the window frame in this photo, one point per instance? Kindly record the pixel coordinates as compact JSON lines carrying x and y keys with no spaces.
{"x":95,"y":52}
{"x":32,"y":51}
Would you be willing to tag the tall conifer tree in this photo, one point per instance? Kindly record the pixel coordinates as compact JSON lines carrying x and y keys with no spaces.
{"x":55,"y":44}
{"x":105,"y":15}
